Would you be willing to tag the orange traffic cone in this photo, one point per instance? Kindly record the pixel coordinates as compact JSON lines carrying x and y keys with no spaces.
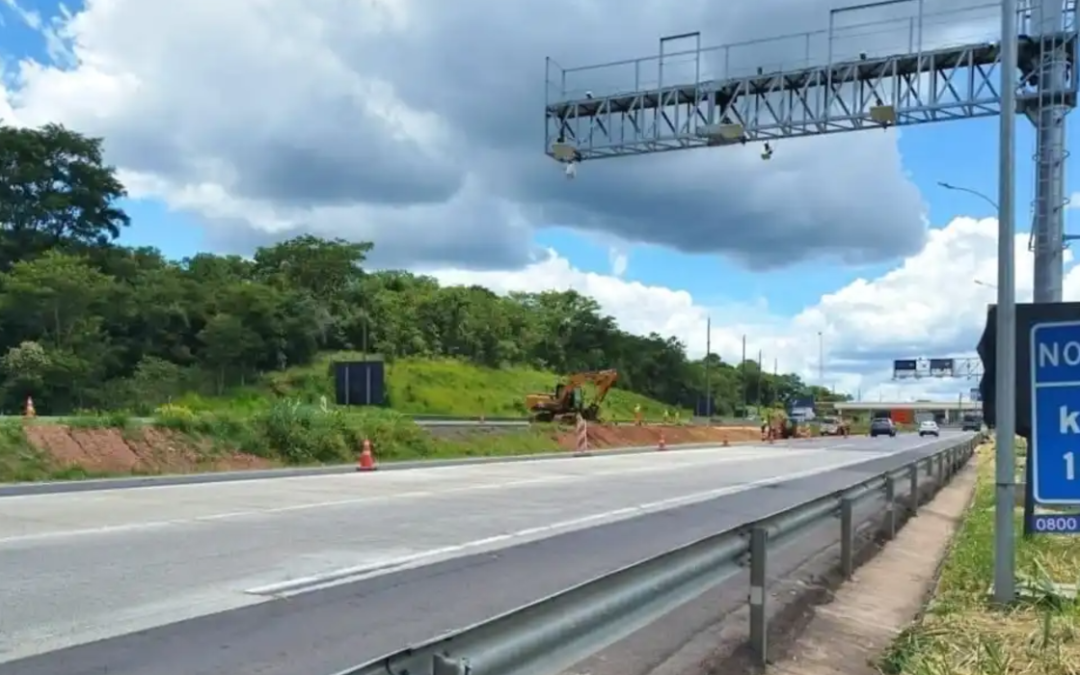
{"x":661,"y":445}
{"x":366,"y":461}
{"x":29,"y":410}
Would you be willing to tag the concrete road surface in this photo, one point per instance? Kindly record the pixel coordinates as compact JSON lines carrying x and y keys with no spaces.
{"x":82,"y":567}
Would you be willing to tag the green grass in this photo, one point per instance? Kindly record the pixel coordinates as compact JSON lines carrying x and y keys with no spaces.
{"x":287,"y":418}
{"x":424,"y":387}
{"x":295,"y":432}
{"x":962,"y":634}
{"x":288,"y":432}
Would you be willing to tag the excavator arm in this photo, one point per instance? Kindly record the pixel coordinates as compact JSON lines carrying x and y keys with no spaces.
{"x":546,"y":407}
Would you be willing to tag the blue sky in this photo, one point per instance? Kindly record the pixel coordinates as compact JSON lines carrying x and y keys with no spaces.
{"x":963,"y":153}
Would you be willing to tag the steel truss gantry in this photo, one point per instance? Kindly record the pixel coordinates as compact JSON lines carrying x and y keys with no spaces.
{"x":914,"y":86}
{"x":962,"y":368}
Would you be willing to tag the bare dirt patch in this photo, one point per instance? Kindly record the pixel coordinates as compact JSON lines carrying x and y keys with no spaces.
{"x":618,"y":436}
{"x":142,"y":451}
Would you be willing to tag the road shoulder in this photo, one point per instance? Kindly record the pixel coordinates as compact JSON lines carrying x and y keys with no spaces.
{"x":867,"y":613}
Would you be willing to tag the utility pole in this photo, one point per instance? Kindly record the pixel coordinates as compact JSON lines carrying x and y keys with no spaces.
{"x":760,"y":378}
{"x":775,"y":377}
{"x":708,"y":354}
{"x":745,"y":388}
{"x":821,"y":360}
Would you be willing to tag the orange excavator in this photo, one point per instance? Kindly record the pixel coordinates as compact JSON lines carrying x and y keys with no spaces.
{"x":568,"y":400}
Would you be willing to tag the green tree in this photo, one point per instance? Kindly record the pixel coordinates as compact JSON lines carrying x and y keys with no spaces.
{"x":55,"y":190}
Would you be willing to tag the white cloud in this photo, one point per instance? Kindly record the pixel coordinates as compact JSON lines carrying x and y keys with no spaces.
{"x":928,"y":306}
{"x":413,"y":123}
{"x":619,"y":260}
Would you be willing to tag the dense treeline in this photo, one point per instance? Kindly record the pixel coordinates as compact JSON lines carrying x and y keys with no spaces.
{"x":87,"y":323}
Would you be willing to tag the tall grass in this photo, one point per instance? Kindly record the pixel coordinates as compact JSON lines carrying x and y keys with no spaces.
{"x":962,"y":634}
{"x":423,"y":387}
{"x":296,"y":432}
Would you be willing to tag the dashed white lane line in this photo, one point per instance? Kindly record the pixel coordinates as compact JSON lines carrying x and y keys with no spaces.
{"x":415,"y":494}
{"x":311,"y":583}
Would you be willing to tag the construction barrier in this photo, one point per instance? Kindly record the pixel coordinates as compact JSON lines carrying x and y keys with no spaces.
{"x":582,"y":429}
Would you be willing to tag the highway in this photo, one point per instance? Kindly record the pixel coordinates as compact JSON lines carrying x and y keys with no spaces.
{"x":315,"y":573}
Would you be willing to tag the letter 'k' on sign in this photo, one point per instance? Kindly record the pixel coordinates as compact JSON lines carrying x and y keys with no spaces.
{"x":1055,"y":412}
{"x":1068,"y":421}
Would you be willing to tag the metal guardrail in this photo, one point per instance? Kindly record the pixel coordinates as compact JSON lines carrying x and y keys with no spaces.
{"x":554,"y":633}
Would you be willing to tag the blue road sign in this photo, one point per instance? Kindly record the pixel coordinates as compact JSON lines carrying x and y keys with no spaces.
{"x":1057,"y":523}
{"x":1055,"y":412}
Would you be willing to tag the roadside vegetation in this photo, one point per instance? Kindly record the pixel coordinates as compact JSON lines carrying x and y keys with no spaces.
{"x":232,"y":351}
{"x":289,"y":432}
{"x":435,"y":387}
{"x":961,"y":633}
{"x":90,"y":324}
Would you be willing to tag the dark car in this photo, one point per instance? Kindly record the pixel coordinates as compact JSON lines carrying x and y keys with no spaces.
{"x":971,"y":423}
{"x":882,"y":426}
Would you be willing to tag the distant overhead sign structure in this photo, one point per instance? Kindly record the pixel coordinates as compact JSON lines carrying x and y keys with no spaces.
{"x":916,"y":369}
{"x":905,"y":368}
{"x":1055,"y":415}
{"x":941,"y":367}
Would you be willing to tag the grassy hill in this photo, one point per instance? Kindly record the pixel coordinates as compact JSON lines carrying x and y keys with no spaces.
{"x":425,"y":387}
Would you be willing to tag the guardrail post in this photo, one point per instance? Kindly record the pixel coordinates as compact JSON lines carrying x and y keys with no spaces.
{"x":758,"y":624}
{"x":913,"y":486}
{"x":940,"y":470}
{"x":890,"y":506}
{"x":847,"y":537}
{"x":929,"y":467}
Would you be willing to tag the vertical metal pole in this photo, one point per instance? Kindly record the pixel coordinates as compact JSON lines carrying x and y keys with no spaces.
{"x":1048,"y":117}
{"x":821,"y":359}
{"x":1005,"y":409}
{"x":745,"y":388}
{"x":890,"y":506}
{"x":708,"y":351}
{"x":547,"y":102}
{"x":760,"y":380}
{"x":367,"y":383}
{"x":913,"y":478}
{"x":758,"y":622}
{"x":348,"y":386}
{"x":847,"y":538}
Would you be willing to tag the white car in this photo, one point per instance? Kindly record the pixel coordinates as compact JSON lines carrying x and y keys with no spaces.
{"x":928,"y":428}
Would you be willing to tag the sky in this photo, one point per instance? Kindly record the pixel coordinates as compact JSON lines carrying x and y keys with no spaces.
{"x":416,"y":124}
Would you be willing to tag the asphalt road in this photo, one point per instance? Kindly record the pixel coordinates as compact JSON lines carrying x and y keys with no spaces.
{"x":93,"y":485}
{"x":313,"y":574}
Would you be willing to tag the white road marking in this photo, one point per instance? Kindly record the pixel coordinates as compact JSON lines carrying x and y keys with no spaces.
{"x":741,"y":457}
{"x":345,"y":575}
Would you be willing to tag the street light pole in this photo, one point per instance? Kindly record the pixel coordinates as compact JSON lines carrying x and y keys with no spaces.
{"x":821,"y":359}
{"x":991,"y":202}
{"x":1005,"y":409}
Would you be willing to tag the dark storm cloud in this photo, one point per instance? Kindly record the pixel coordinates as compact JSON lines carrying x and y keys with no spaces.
{"x":843,"y":198}
{"x":298,"y":134}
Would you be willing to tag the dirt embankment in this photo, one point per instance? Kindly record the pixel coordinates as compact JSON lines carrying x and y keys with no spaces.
{"x":144,"y":450}
{"x":150,"y":450}
{"x":602,"y":436}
